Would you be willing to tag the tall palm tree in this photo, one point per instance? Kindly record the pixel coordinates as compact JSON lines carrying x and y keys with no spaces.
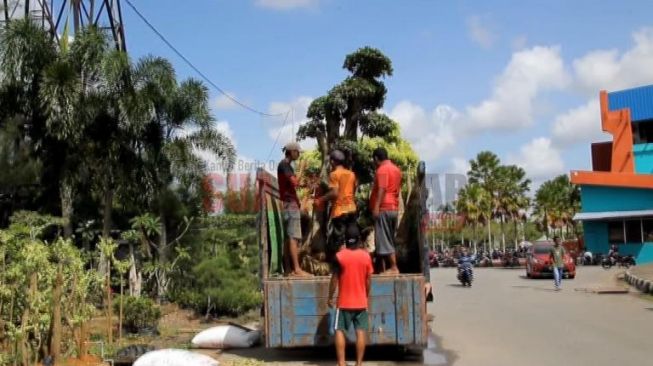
{"x":484,"y":170}
{"x":179,"y":125}
{"x":474,"y":203}
{"x":511,"y":196}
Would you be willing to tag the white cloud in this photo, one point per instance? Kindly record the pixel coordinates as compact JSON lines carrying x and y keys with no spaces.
{"x":286,"y":4}
{"x":431,"y":134}
{"x":459,"y":166}
{"x":225,"y":129}
{"x":539,"y":158}
{"x":480,"y":32}
{"x":223,"y":102}
{"x":284,"y":132}
{"x":606,"y":69}
{"x":579,"y":125}
{"x":511,"y":105}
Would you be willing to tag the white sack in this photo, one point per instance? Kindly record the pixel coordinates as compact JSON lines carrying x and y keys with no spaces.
{"x":174,"y":357}
{"x":226,"y":336}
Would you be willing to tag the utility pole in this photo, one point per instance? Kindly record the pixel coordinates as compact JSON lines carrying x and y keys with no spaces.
{"x":53,"y":15}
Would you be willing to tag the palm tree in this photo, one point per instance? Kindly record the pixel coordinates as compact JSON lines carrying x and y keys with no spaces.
{"x":474,"y":203}
{"x":484,"y":170}
{"x":511,"y":196}
{"x":180,"y":124}
{"x":556,"y":203}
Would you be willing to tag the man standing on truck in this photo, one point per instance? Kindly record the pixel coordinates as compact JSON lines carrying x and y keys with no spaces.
{"x":384,"y":203}
{"x":342,"y":186}
{"x":352,"y":277}
{"x":291,"y":213}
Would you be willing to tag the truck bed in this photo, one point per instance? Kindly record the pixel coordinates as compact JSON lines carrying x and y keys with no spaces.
{"x":297,"y":315}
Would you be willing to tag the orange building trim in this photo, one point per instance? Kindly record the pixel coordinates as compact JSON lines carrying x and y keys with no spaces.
{"x":610,"y":179}
{"x":617,"y":123}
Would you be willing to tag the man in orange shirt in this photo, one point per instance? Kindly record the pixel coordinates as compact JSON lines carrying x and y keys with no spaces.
{"x":342,"y":187}
{"x":353,"y":279}
{"x":384,"y":203}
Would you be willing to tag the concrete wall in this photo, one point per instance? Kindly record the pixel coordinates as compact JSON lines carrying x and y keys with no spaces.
{"x":643,"y":158}
{"x":597,"y":199}
{"x":595,"y":234}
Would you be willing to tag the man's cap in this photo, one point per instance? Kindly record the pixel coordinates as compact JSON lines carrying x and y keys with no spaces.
{"x":337,"y":155}
{"x":352,"y":235}
{"x":292,"y":146}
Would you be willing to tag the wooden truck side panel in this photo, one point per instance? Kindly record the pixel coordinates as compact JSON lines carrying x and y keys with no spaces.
{"x":298,"y":315}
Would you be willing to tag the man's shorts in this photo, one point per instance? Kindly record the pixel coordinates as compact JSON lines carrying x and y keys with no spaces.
{"x":385,"y":228}
{"x":292,"y":221}
{"x":346,"y":318}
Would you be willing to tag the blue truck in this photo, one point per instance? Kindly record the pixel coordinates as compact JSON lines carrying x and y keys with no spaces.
{"x":295,"y":309}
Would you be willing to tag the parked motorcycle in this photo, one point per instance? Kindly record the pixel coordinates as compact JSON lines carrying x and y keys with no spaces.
{"x":622,"y":261}
{"x":433,"y":260}
{"x":510,"y":260}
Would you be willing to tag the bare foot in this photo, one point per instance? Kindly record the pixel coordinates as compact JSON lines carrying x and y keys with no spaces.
{"x":300,"y":273}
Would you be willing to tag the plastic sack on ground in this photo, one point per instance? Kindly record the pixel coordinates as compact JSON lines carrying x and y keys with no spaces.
{"x":226,"y":336}
{"x":174,"y":357}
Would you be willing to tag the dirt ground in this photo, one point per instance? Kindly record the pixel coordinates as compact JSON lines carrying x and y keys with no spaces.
{"x":177,"y":328}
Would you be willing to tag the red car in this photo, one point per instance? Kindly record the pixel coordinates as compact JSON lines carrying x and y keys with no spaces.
{"x":538,"y":261}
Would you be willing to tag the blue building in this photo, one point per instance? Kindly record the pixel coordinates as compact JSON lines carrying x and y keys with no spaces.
{"x":617,"y":195}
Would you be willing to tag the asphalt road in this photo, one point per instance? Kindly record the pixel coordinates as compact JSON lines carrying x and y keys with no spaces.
{"x":506,"y":319}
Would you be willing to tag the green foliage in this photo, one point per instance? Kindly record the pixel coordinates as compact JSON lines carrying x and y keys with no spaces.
{"x":140,"y":313}
{"x":353,"y":103}
{"x":29,"y":267}
{"x":221,"y":275}
{"x":495,"y":192}
{"x":556,"y":202}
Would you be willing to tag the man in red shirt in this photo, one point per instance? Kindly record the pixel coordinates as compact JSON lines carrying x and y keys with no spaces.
{"x":384,"y":203}
{"x":291,"y":215}
{"x":352,"y":277}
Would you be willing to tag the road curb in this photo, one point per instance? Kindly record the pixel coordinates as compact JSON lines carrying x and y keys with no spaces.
{"x":641,"y":284}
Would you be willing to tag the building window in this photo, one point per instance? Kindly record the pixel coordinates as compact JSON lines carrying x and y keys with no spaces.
{"x":642,"y":132}
{"x":616,"y":232}
{"x":633,"y":231}
{"x":647,"y":226}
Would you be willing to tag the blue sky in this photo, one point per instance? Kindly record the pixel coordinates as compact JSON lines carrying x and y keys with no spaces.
{"x":518,"y":78}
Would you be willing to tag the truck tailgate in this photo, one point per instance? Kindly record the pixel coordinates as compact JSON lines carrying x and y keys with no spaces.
{"x":297,"y":314}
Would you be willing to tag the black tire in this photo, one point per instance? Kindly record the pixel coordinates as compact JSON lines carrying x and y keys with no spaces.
{"x":606,"y":265}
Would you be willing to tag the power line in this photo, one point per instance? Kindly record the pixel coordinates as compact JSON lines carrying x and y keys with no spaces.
{"x":278,"y":135}
{"x":200,"y":73}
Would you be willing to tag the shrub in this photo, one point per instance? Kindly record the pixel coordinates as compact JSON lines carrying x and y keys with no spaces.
{"x":139,"y":313}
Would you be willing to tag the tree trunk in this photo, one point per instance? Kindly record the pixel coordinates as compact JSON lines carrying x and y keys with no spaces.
{"x":135,"y":276}
{"x":474,"y":240}
{"x":122,"y":296}
{"x":107,"y":207}
{"x":162,"y":277}
{"x":489,"y":234}
{"x":55,"y":327}
{"x":516,"y":232}
{"x":66,"y":196}
{"x":109,"y":310}
{"x":24,"y":321}
{"x":503,"y":234}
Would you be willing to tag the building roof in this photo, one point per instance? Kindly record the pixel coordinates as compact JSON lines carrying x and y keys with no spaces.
{"x":637,"y":100}
{"x":611,"y":214}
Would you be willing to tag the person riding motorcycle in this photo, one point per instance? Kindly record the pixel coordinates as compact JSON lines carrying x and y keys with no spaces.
{"x":613,"y":254}
{"x":465,"y":267}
